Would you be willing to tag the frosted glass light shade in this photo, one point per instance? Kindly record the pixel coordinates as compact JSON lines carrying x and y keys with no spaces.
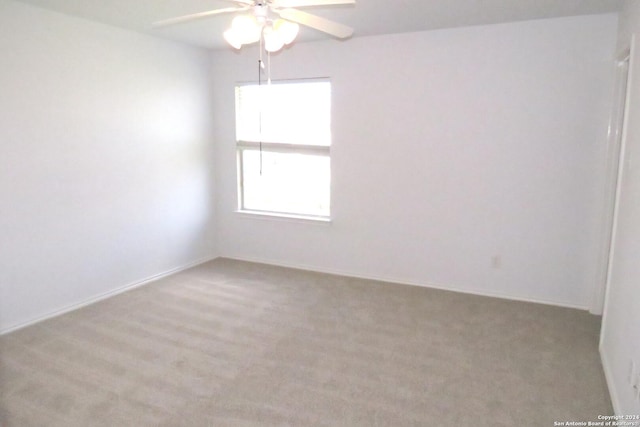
{"x":288,"y":30}
{"x":233,"y":38}
{"x":244,"y":30}
{"x":273,"y":40}
{"x":247,"y":29}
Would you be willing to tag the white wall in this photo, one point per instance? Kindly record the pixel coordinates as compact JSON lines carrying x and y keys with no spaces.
{"x":105,"y":160}
{"x":621,"y":324}
{"x":450,"y":147}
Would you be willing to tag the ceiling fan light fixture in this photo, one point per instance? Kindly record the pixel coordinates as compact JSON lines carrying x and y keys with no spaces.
{"x":288,"y":30}
{"x":273,"y":40}
{"x":259,"y":14}
{"x":247,"y":27}
{"x":233,"y":38}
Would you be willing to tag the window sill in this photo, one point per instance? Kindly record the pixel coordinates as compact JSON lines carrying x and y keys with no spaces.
{"x":274,"y":216}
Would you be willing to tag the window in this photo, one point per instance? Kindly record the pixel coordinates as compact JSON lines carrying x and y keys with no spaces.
{"x":283,"y":133}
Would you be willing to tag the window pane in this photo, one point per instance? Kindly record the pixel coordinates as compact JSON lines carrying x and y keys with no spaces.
{"x":290,"y":182}
{"x":290,"y":113}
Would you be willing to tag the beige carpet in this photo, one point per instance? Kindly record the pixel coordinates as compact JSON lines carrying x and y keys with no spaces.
{"x":230,"y":343}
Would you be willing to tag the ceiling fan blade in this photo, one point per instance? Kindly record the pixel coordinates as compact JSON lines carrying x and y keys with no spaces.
{"x":186,"y":18}
{"x":316,"y":22}
{"x":247,"y":2}
{"x":306,"y":3}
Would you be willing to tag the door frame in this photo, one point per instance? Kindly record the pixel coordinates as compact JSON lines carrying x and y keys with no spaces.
{"x":615,"y":152}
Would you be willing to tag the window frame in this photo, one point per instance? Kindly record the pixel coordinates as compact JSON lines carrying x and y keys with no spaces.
{"x":276,"y":147}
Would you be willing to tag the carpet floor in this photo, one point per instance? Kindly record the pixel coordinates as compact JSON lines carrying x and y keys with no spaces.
{"x":231,"y":343}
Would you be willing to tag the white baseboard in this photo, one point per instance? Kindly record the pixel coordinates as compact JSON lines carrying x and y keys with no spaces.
{"x":402,"y":281}
{"x":104,"y":295}
{"x":390,"y":279}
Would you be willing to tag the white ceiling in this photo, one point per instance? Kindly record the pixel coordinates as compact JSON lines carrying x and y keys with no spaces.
{"x":367,"y":17}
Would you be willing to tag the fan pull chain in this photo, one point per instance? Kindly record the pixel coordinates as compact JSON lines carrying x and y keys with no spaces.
{"x":269,"y":68}
{"x":261,"y":97}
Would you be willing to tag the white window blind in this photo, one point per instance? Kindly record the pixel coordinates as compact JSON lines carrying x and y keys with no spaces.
{"x":287,"y":112}
{"x":283,"y":134}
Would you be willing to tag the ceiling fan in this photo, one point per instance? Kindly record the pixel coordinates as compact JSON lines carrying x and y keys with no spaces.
{"x":272,"y":22}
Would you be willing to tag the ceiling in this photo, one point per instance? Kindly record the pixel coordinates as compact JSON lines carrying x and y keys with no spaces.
{"x":367,"y":17}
